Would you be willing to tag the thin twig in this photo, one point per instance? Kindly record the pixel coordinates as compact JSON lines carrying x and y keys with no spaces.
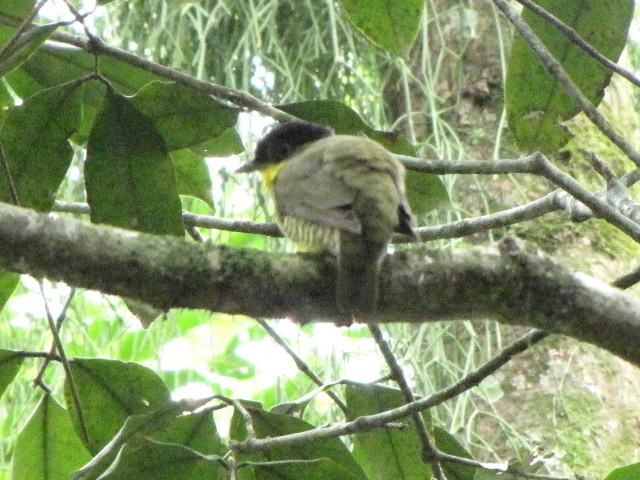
{"x":300,"y":363}
{"x":52,"y":351}
{"x":370,"y":422}
{"x":97,"y":46}
{"x":469,"y":226}
{"x":627,"y":280}
{"x":498,"y":468}
{"x":599,"y":207}
{"x":575,"y":38}
{"x":430,"y":453}
{"x":66,"y":366}
{"x":22,"y":27}
{"x":8,"y":178}
{"x":248,"y":420}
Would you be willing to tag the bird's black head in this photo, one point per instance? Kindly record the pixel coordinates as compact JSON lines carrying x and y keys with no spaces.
{"x":283,"y":140}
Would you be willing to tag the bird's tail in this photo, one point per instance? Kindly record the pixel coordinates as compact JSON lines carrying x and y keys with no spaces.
{"x":357,"y":284}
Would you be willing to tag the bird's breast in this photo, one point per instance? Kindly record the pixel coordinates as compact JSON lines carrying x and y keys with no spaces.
{"x":309,"y":236}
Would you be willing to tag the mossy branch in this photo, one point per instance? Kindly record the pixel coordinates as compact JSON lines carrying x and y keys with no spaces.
{"x":509,"y":285}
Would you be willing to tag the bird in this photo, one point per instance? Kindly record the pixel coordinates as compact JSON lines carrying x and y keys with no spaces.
{"x":342,"y":194}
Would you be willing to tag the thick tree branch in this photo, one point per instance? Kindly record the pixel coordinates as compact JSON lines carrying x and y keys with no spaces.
{"x":512,"y":287}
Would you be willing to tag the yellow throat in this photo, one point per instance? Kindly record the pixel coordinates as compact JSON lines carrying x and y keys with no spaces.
{"x":269,"y":175}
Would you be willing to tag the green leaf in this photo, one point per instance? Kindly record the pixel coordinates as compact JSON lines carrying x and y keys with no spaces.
{"x":183,"y":116}
{"x":197,"y":431}
{"x":141,"y":459}
{"x":8,"y":283}
{"x":10,"y":362}
{"x":129,"y":176}
{"x":54,"y":64}
{"x":225,"y":144}
{"x":383,"y":453}
{"x":109,"y":392}
{"x":390,"y":24}
{"x":34,"y":138}
{"x":628,"y":472}
{"x":448,"y":444}
{"x":147,"y":459}
{"x":267,"y":424}
{"x":318,"y":469}
{"x":425,"y":192}
{"x":47,"y":447}
{"x":24,"y":47}
{"x":192,"y":175}
{"x":536,"y":104}
{"x":187,"y":429}
{"x":17,"y":8}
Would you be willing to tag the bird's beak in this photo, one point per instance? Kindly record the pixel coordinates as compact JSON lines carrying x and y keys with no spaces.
{"x":252,"y":166}
{"x":247,"y":167}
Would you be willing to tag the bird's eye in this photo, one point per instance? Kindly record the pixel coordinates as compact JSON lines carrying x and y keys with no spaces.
{"x":285,"y":150}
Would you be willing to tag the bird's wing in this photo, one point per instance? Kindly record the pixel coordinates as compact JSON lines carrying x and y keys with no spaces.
{"x":321,"y":183}
{"x":310,"y":187}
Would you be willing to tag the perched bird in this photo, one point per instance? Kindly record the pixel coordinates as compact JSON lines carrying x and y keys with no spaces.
{"x":338,"y":193}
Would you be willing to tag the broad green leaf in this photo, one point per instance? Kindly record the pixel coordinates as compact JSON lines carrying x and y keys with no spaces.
{"x":225,"y":144}
{"x":628,"y":472}
{"x":390,"y":24}
{"x":129,"y":177}
{"x":55,"y":64}
{"x":10,"y":363}
{"x":183,"y":116}
{"x":192,"y":175}
{"x":165,"y":416}
{"x":267,"y":424}
{"x":425,"y":192}
{"x":109,"y":392}
{"x":197,"y":431}
{"x":319,"y":469}
{"x":17,"y":8}
{"x":385,"y":454}
{"x":536,"y":105}
{"x":24,"y":47}
{"x":448,"y":444}
{"x":48,"y":447}
{"x":147,"y":459}
{"x":34,"y":139}
{"x":8,"y":283}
